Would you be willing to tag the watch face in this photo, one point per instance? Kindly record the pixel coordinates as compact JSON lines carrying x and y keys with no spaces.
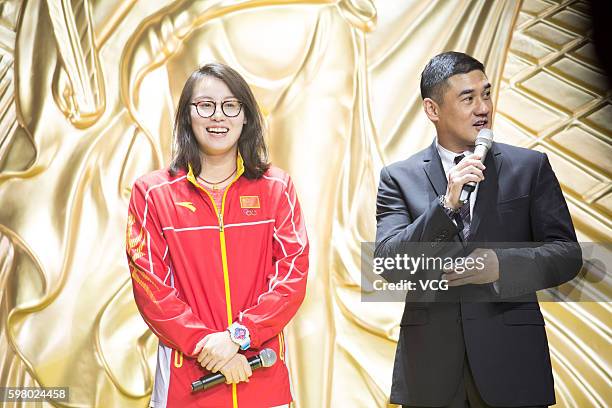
{"x":239,"y":333}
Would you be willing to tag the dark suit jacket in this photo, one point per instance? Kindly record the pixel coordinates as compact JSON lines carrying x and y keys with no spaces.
{"x":520,"y":200}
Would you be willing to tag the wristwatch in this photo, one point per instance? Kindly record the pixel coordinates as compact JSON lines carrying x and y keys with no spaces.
{"x":240,"y":335}
{"x":449,"y":211}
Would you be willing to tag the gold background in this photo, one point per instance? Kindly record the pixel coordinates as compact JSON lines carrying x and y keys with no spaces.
{"x":87,"y":95}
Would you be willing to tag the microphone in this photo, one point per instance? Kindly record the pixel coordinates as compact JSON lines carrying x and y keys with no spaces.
{"x":484,"y":140}
{"x":265,"y":358}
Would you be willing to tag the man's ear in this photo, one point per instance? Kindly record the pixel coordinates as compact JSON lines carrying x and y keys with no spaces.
{"x":432,"y":109}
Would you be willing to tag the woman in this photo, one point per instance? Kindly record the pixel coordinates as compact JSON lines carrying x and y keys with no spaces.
{"x":217,"y":250}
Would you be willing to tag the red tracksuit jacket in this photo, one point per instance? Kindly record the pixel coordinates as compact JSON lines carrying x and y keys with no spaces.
{"x":196,"y":269}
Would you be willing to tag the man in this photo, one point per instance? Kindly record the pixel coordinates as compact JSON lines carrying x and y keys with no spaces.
{"x":475,"y":354}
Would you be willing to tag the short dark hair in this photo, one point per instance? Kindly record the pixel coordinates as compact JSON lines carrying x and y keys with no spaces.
{"x":443,"y":66}
{"x":251,"y":143}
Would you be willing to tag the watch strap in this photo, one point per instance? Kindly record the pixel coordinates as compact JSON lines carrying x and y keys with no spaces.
{"x":449,"y":211}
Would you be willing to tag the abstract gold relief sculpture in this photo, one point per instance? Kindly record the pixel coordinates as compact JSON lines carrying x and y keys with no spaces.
{"x":87,"y":96}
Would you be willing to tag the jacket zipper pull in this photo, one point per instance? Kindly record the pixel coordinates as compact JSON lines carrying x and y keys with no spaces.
{"x":220,"y":222}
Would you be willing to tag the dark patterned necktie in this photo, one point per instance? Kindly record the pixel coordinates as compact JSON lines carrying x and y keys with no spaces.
{"x":462,"y":218}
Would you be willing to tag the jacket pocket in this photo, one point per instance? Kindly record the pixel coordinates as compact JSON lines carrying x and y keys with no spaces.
{"x":415,"y":317}
{"x":532,"y":305}
{"x":519,"y":317}
{"x":509,"y":205}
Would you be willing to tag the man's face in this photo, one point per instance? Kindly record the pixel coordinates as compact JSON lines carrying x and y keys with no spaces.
{"x":465,"y":109}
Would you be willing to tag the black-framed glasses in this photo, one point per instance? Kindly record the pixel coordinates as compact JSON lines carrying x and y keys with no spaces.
{"x":206,"y":109}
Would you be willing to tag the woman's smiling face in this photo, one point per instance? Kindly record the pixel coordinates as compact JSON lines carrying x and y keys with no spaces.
{"x":217,"y":134}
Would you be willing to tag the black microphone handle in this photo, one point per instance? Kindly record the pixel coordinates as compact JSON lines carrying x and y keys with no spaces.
{"x":207,"y":381}
{"x":210,"y":380}
{"x":466,"y":192}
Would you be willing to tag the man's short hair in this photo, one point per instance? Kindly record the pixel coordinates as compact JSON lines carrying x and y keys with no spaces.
{"x":443,"y":66}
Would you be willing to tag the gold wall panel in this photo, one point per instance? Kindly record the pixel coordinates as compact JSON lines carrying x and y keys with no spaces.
{"x":87,"y":96}
{"x":554,"y":97}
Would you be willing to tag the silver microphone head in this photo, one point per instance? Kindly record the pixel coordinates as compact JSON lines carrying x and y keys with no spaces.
{"x":268,"y":357}
{"x":485,"y":138}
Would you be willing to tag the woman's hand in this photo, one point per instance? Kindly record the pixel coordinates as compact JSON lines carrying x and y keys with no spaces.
{"x":215,"y":350}
{"x":237,"y":370}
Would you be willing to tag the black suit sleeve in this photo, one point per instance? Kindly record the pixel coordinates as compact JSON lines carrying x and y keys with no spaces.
{"x":558,"y":259}
{"x":396,"y":226}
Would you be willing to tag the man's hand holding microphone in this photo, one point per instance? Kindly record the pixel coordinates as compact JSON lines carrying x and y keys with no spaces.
{"x":469,"y":169}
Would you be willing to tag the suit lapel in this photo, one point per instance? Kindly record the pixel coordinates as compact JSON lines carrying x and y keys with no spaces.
{"x":487,"y":190}
{"x":434,"y":170}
